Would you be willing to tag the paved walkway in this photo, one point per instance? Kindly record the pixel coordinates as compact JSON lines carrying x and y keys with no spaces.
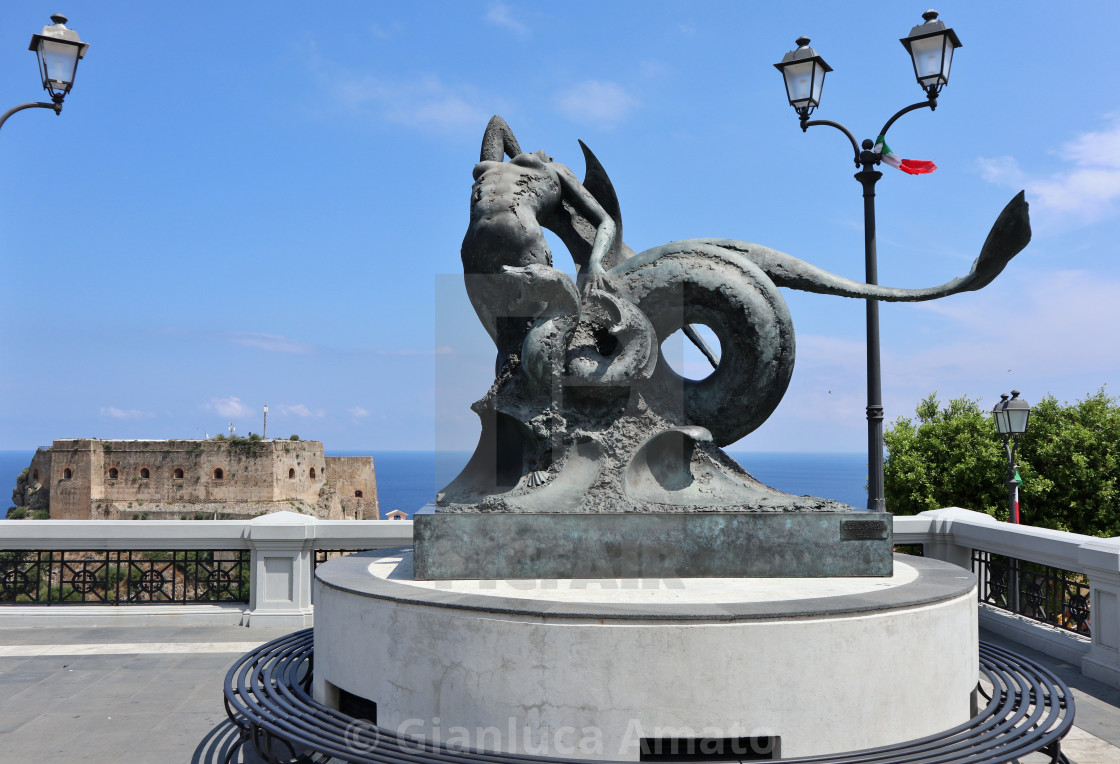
{"x":140,"y":695}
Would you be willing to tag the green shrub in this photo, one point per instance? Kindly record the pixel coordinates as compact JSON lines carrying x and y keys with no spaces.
{"x":1069,"y":462}
{"x":17,"y":513}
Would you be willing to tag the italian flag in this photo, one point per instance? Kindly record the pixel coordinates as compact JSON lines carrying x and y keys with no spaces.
{"x":909,"y":166}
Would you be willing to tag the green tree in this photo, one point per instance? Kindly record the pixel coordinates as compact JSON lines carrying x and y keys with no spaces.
{"x":1069,"y":461}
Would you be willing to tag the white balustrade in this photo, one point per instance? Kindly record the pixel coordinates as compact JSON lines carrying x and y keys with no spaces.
{"x":952,"y":534}
{"x":283,"y":545}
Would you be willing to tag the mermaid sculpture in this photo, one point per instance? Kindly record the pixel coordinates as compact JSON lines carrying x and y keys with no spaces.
{"x":584,"y":415}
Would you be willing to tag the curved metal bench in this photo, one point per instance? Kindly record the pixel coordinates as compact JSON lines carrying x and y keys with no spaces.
{"x":268,"y":697}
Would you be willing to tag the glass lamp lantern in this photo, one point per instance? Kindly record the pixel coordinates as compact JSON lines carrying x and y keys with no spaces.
{"x":59,"y":49}
{"x":804,"y":72}
{"x":1012,"y":414}
{"x":1018,"y":412}
{"x":999,"y":413}
{"x":931,"y":47}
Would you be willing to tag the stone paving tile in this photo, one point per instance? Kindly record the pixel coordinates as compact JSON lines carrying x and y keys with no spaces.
{"x":13,"y":721}
{"x":1080,"y":748}
{"x":112,"y":690}
{"x":111,"y":737}
{"x":47,"y":737}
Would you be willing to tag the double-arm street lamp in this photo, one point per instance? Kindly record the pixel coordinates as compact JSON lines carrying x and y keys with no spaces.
{"x":1011,"y":417}
{"x":59,"y":49}
{"x":931,"y":47}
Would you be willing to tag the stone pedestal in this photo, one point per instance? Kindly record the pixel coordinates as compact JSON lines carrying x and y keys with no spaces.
{"x":589,"y":669}
{"x":500,"y":545}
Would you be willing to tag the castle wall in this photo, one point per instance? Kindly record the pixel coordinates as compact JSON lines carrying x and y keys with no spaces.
{"x":75,"y":470}
{"x":356,"y":482}
{"x":92,"y":478}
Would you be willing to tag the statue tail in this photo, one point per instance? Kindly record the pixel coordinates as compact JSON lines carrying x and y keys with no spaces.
{"x":1009,"y":235}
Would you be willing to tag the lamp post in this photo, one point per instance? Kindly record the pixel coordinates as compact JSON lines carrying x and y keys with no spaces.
{"x":58,"y":49}
{"x":931,"y":47}
{"x":1011,"y":417}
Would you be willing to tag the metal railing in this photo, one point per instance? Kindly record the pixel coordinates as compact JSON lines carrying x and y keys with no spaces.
{"x":326,"y":555}
{"x":256,"y":572}
{"x":1039,"y":592}
{"x":123,"y":577}
{"x":1034,"y":585}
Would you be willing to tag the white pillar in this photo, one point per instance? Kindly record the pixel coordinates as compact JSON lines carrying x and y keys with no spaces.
{"x":281,"y":545}
{"x":944,"y":546}
{"x":1100,"y":559}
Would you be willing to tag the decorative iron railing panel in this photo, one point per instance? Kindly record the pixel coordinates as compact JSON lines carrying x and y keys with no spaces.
{"x":1050,"y":595}
{"x":324,"y":555}
{"x":52,"y":577}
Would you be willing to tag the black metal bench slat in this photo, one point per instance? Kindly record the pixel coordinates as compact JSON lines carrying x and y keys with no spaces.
{"x":1030,"y":709}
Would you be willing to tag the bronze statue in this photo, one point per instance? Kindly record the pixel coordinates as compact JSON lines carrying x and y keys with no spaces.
{"x":584,"y":414}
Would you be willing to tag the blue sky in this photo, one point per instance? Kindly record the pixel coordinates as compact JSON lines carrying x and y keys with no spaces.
{"x":263,"y":202}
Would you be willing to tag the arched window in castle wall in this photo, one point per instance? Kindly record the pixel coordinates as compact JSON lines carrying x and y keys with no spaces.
{"x":178,"y":473}
{"x":67,"y":473}
{"x":291,"y":473}
{"x":312,"y":473}
{"x":357,"y":494}
{"x":219,"y":474}
{"x":145,"y":473}
{"x":35,"y":475}
{"x":114,"y":473}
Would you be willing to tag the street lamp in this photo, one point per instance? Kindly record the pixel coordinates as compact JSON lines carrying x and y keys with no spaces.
{"x":931,"y":47}
{"x":58,"y":49}
{"x":1011,"y":417}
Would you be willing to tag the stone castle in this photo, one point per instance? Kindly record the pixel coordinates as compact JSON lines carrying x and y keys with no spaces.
{"x":90,"y":478}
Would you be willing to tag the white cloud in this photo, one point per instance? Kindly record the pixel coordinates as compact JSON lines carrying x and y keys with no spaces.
{"x":1042,"y":332}
{"x":603,"y":104}
{"x":499,"y":15}
{"x":115,"y":413}
{"x":358,"y":412}
{"x":423,"y":101}
{"x":1086,"y":191}
{"x":228,"y":407}
{"x":1053,"y":332}
{"x":299,"y":410}
{"x":271,"y":342}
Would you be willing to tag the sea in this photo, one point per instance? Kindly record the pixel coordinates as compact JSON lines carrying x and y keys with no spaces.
{"x":407,"y":480}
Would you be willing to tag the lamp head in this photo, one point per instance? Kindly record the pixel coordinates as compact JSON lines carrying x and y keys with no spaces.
{"x":1011,"y":415}
{"x":59,"y":49}
{"x":931,"y":47}
{"x":804,"y":72}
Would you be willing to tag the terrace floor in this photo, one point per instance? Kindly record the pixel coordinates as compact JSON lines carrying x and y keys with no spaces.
{"x":154,"y":694}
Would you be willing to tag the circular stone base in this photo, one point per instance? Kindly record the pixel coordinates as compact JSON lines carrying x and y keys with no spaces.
{"x":594,"y":669}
